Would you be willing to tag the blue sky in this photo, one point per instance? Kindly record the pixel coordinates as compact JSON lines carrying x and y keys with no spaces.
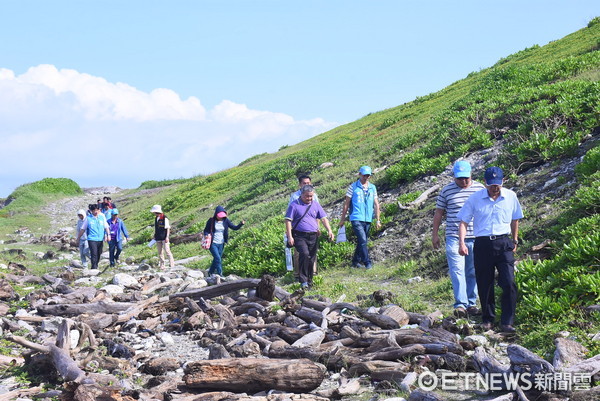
{"x":116,"y":93}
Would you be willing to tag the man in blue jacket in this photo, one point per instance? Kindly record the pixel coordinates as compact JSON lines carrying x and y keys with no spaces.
{"x":365,"y":205}
{"x":117,"y":231}
{"x":96,"y":228}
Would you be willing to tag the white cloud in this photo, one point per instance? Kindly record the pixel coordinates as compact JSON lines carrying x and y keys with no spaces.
{"x":63,"y":123}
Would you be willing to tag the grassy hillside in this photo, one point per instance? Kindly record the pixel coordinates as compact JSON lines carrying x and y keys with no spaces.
{"x":539,"y":108}
{"x":24,"y":203}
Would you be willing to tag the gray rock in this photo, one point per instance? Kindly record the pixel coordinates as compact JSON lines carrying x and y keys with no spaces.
{"x":113,"y":289}
{"x":125,"y":280}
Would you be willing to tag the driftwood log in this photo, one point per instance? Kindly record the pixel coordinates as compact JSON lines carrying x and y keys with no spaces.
{"x":253,"y":375}
{"x":226,"y":288}
{"x":80,"y":309}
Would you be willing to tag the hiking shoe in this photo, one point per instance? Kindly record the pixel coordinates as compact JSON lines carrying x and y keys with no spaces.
{"x":357,"y":265}
{"x":473,"y":311}
{"x":508,"y":329}
{"x":304,"y":285}
{"x":486,"y":326}
{"x":369,"y":266}
{"x":460,"y":312}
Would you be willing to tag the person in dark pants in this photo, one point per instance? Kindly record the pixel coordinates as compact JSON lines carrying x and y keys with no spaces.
{"x":218,"y":227}
{"x":301,"y":226}
{"x":117,"y":231}
{"x":495,"y":212}
{"x":97,"y":231}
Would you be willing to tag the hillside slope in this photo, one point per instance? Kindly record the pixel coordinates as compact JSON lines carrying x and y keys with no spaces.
{"x":535,"y":113}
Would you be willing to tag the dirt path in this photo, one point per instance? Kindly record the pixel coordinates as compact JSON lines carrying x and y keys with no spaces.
{"x":63,"y":214}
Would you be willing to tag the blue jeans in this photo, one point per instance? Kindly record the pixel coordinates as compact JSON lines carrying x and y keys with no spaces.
{"x":462,"y":273}
{"x":361,"y":252}
{"x":84,"y":251}
{"x":114,"y":250}
{"x":216,"y":267}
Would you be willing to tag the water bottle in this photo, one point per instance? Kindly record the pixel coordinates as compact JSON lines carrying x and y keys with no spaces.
{"x":288,"y":254}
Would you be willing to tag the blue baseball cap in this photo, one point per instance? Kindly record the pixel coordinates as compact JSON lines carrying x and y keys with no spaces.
{"x":493,"y":176}
{"x":365,"y":170}
{"x":115,"y":211}
{"x":462,"y":169}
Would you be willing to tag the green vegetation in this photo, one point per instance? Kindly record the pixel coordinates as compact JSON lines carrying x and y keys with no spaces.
{"x":27,"y":199}
{"x":537,"y":107}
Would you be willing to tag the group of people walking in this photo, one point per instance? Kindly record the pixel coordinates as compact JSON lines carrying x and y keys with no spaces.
{"x":94,"y":228}
{"x":482,"y":228}
{"x":482,"y":234}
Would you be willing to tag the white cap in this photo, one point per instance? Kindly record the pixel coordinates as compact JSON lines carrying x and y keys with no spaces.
{"x":81,"y":212}
{"x":156,"y":209}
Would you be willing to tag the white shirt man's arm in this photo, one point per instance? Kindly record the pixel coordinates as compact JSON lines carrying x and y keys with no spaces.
{"x":462,"y":233}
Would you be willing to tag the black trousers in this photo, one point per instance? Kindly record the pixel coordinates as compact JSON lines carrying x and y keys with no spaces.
{"x":490,"y":255}
{"x":306,"y":245}
{"x":95,"y":252}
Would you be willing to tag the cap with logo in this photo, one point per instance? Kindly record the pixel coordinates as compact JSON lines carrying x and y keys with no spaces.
{"x":365,"y":170}
{"x":462,"y":169}
{"x":493,"y":176}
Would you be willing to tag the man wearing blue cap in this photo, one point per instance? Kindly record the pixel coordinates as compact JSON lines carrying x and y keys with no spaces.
{"x":365,"y":205}
{"x":461,"y":268}
{"x":495,"y":212}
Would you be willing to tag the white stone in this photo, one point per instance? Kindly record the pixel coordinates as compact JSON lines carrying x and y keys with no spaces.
{"x":112,"y":289}
{"x":312,"y":339}
{"x":550,"y":182}
{"x":195,"y":274}
{"x":479,"y":341}
{"x":90,"y":272}
{"x":3,"y":266}
{"x":26,"y":326}
{"x":166,"y":338}
{"x":74,"y":334}
{"x":416,"y":279}
{"x":125,"y":280}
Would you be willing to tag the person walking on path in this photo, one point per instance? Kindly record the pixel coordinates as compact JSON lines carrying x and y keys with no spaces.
{"x":96,"y":229}
{"x":84,"y":248}
{"x":495,"y":212}
{"x":162,"y":232}
{"x":362,"y":195}
{"x":117,"y":231}
{"x":301,"y":226}
{"x":302,"y":181}
{"x":461,"y":268}
{"x":218,"y":227}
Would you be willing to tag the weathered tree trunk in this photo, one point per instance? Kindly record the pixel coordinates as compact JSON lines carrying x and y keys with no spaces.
{"x":567,"y":353}
{"x":21,"y":393}
{"x":487,"y":364}
{"x":392,"y":354}
{"x":80,"y":309}
{"x":420,"y":395}
{"x":253,"y":375}
{"x":226,"y":288}
{"x":519,"y":355}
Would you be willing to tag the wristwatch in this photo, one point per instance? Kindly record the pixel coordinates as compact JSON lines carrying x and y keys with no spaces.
{"x":515,"y":241}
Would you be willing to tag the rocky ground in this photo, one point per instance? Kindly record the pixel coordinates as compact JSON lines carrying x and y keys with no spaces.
{"x":406,"y":236}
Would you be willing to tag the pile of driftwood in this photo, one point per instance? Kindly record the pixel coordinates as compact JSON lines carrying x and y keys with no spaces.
{"x":263,"y":344}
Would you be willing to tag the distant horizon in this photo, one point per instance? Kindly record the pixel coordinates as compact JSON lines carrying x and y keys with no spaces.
{"x":149,"y":91}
